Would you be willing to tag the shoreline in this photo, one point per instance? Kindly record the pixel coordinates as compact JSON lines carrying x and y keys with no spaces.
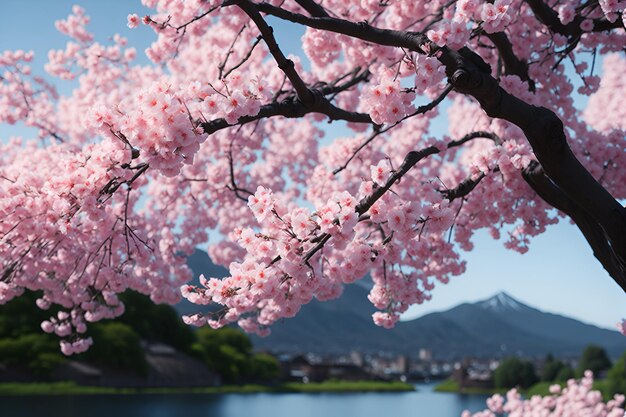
{"x":541,"y":388}
{"x":71,"y":388}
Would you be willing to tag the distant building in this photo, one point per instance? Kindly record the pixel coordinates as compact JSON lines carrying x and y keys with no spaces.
{"x":473,"y":374}
{"x":425,"y":355}
{"x":300,"y":369}
{"x":356,"y":358}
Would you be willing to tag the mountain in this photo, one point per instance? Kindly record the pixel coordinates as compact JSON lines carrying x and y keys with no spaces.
{"x":505,"y":326}
{"x":497,"y":326}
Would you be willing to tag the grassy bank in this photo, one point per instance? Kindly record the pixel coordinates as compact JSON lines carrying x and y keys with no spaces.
{"x":71,"y":388}
{"x":348,"y":386}
{"x":540,"y":388}
{"x":452,"y":386}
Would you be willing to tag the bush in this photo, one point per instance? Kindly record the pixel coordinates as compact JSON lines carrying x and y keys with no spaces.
{"x":514,"y":372}
{"x":565,"y":374}
{"x":20,"y":316}
{"x":616,"y":378}
{"x":154,"y":322}
{"x":228,"y":351}
{"x":38,"y":352}
{"x":118,"y":346}
{"x":264,"y":367}
{"x":551,"y":369}
{"x":595,"y":359}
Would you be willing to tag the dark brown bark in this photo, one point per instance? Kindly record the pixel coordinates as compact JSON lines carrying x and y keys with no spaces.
{"x":591,"y":230}
{"x":292,"y":108}
{"x":599,"y":214}
{"x":512,"y":64}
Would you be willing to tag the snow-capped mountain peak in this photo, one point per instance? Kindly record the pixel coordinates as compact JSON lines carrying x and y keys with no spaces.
{"x":501,"y":302}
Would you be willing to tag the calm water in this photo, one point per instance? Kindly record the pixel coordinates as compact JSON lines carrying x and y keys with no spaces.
{"x":423,"y":403}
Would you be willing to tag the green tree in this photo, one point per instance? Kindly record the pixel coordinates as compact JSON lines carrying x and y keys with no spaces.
{"x":38,"y":352}
{"x":228,"y":351}
{"x":514,"y":372}
{"x":616,"y":377}
{"x":595,"y":359}
{"x":264,"y":367}
{"x":116,"y":345}
{"x":551,"y":369}
{"x":21,"y":316}
{"x":564,"y":374}
{"x":156,"y":322}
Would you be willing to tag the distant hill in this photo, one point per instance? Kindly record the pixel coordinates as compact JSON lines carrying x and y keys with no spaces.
{"x":497,"y":326}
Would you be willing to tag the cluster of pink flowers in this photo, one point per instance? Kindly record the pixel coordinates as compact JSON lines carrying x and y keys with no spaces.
{"x":25,"y":97}
{"x":612,"y":9}
{"x":567,"y":13}
{"x":468,"y":9}
{"x":69,"y":348}
{"x":166,"y":22}
{"x":496,"y":16}
{"x":160,"y":127}
{"x":321,"y":47}
{"x":429,"y":73}
{"x":386,"y":102}
{"x":606,"y":111}
{"x":275,"y":288}
{"x":15,"y":91}
{"x":238,"y":97}
{"x":83,"y":54}
{"x":380,"y":172}
{"x":64,"y":325}
{"x":453,"y":33}
{"x":74,"y":25}
{"x":574,"y":400}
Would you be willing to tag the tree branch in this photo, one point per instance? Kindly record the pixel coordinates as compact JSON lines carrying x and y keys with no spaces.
{"x":420,"y":110}
{"x":286,"y":65}
{"x":549,"y":17}
{"x":312,"y":8}
{"x":544,"y":131}
{"x":290,"y":108}
{"x":591,"y":230}
{"x":512,"y":64}
{"x":361,"y":30}
{"x":463,"y":188}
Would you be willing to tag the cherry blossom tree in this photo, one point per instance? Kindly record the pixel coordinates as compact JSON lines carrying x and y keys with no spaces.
{"x":224,"y":132}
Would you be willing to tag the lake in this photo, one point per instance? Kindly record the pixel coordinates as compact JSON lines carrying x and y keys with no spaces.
{"x":421,"y":403}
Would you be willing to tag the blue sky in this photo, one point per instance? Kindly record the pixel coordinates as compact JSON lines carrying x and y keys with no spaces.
{"x":559,"y":274}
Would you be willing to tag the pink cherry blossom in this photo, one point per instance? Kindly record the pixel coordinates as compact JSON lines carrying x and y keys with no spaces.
{"x":226,"y":135}
{"x":567,"y":13}
{"x":576,"y":399}
{"x":496,"y":16}
{"x":133,"y":21}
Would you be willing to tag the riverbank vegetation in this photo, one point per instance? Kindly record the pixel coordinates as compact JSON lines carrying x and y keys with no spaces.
{"x":71,"y":388}
{"x":120,"y":343}
{"x":517,"y":373}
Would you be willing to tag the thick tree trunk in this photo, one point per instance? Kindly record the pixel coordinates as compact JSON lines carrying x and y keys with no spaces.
{"x":561,"y":180}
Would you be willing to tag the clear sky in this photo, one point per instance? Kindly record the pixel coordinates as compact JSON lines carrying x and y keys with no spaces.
{"x":559,"y":274}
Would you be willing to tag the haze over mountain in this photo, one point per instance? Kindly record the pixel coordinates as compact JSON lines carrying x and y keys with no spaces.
{"x":497,"y":326}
